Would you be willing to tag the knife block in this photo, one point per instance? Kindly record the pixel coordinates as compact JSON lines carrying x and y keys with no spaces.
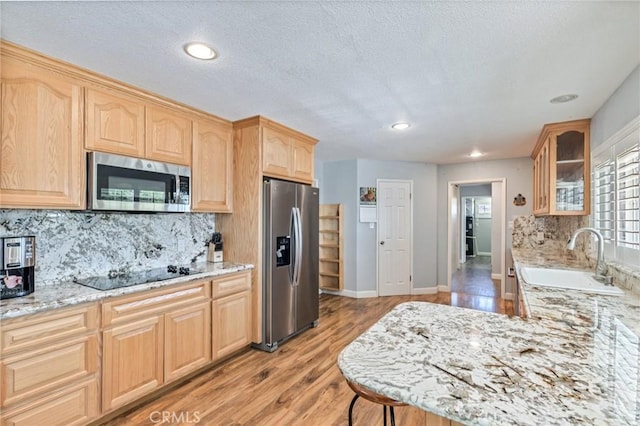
{"x":214,"y":253}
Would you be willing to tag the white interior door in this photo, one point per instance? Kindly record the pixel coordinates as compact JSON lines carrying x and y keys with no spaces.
{"x":394,"y":237}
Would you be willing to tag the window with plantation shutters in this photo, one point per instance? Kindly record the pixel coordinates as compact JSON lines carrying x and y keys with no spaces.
{"x":604,"y":199}
{"x":616,"y":194}
{"x":628,"y":195}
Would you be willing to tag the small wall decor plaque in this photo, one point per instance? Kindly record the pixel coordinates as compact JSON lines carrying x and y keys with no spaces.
{"x":519,"y":200}
{"x":367,"y":195}
{"x":368,"y":208}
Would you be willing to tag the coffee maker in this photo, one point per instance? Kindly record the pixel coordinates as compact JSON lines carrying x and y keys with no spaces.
{"x":17,"y":266}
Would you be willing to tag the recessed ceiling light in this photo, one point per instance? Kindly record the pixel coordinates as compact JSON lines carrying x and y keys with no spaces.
{"x":199,"y":51}
{"x":563,"y":98}
{"x":400,"y":126}
{"x":475,"y":154}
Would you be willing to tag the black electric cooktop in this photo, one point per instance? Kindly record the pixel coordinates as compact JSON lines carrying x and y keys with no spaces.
{"x":138,"y":277}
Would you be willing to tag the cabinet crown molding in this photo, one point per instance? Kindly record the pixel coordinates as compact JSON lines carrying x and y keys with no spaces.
{"x":259,"y":120}
{"x":558,"y":127}
{"x":89,"y":78}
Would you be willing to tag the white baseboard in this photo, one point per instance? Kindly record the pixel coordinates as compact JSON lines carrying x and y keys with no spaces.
{"x":353,"y":294}
{"x":508,"y":296}
{"x":425,"y":290}
{"x":496,"y":276}
{"x":484,"y":253}
{"x":444,"y":288}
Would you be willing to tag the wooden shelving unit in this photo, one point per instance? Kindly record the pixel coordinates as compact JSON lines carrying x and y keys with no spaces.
{"x":331,"y":274}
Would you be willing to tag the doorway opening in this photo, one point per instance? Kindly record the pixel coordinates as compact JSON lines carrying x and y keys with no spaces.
{"x":476,"y":242}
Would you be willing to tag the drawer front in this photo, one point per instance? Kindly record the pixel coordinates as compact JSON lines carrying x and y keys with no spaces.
{"x":34,"y":331}
{"x":74,"y":405}
{"x":125,"y":308}
{"x":37,"y":372}
{"x":231,"y":285}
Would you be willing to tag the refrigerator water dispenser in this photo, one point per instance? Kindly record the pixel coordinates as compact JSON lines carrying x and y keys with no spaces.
{"x":283,"y":257}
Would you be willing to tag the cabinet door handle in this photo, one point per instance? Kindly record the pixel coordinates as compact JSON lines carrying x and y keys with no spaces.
{"x":381,"y":243}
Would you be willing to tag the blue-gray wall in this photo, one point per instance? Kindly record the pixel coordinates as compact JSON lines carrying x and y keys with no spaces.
{"x":338,"y":185}
{"x":424,"y":219}
{"x":518,"y":173}
{"x":340,"y":182}
{"x":622,"y":107}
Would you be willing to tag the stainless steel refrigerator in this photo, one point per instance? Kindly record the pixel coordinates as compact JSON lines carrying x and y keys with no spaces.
{"x":290,"y":273}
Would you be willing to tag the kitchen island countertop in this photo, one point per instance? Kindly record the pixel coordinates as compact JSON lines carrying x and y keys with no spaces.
{"x":69,"y":293}
{"x":574,"y":360}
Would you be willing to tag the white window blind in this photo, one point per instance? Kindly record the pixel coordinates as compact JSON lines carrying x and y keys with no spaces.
{"x":616,"y":194}
{"x":604,"y":199}
{"x":628,"y":194}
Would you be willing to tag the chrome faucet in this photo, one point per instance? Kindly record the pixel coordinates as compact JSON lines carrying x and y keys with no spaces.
{"x":601,"y":267}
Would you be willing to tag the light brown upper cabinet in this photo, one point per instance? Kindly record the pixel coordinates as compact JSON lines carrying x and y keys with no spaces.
{"x":168,"y":135}
{"x":276,"y":153}
{"x":115,"y":123}
{"x":41,"y":155}
{"x":212,"y":166}
{"x":561,"y":169}
{"x":287,"y":156}
{"x":302,"y":161}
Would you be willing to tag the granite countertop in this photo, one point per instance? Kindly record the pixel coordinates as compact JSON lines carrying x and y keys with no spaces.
{"x":574,"y":360}
{"x":69,"y":293}
{"x":573,"y":306}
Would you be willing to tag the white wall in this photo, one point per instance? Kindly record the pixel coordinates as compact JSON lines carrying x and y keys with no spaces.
{"x":622,"y":107}
{"x":424,"y":221}
{"x":519,"y":179}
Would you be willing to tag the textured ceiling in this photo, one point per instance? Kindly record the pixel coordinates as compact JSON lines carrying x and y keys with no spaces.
{"x":465,"y":74}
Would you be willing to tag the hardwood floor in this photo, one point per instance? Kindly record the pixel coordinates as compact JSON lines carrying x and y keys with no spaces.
{"x":299,"y":384}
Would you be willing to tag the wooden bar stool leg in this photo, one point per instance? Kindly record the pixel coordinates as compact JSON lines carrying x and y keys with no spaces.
{"x":384,"y":415}
{"x":353,"y":401}
{"x":393,"y":417}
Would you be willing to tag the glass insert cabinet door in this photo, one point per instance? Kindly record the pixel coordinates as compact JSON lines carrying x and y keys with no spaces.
{"x":570,"y":171}
{"x":562,"y":169}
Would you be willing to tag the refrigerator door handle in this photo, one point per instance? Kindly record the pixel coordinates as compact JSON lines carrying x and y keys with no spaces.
{"x":294,"y":258}
{"x":298,"y":240}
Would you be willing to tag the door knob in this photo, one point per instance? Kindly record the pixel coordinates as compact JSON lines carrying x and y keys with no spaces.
{"x":381,"y":243}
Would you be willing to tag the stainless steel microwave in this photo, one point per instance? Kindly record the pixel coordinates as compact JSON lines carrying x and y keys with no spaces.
{"x":120,"y":183}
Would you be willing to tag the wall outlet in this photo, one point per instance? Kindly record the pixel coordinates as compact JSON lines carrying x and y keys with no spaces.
{"x":540,"y":237}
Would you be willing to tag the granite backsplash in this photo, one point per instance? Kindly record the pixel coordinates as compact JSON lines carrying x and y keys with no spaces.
{"x":557,"y":230}
{"x":80,"y":244}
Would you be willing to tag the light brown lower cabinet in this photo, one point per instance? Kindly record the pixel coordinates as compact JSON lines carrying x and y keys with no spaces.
{"x":49,"y":368}
{"x":435,"y":420}
{"x":50,"y":363}
{"x":132,"y":361}
{"x":187,"y":334}
{"x":153,"y":337}
{"x":231,"y":317}
{"x":231,"y":314}
{"x":70,"y":406}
